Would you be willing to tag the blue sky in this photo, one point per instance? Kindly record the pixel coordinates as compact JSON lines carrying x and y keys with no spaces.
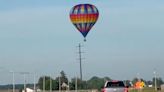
{"x":37,"y":36}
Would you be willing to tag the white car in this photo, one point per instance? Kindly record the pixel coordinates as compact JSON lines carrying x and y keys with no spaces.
{"x":115,"y":86}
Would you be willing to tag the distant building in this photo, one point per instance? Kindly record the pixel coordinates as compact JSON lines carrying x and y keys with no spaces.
{"x":28,"y":90}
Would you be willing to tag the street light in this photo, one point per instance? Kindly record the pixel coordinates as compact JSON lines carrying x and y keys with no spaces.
{"x":13,"y":77}
{"x":76,"y":84}
{"x":59,"y":84}
{"x":50,"y":84}
{"x":34,"y":82}
{"x":138,"y":76}
{"x":155,"y":80}
{"x":44,"y":83}
{"x":24,"y":74}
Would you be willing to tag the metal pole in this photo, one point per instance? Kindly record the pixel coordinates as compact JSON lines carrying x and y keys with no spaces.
{"x":34,"y":84}
{"x":50,"y":84}
{"x":44,"y":84}
{"x":59,"y":84}
{"x":80,"y":61}
{"x":13,"y":81}
{"x":67,"y":85}
{"x":138,"y":76}
{"x":155,"y":80}
{"x":24,"y":82}
{"x":76,"y":84}
{"x":24,"y":74}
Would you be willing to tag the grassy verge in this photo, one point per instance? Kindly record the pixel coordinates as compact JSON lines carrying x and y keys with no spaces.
{"x":144,"y":90}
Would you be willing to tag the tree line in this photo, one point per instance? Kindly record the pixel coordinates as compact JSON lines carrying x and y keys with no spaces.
{"x":47,"y":83}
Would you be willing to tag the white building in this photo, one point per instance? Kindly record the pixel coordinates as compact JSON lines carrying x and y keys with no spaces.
{"x":28,"y":90}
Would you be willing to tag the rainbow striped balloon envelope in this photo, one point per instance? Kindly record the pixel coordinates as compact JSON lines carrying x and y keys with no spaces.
{"x":84,"y":16}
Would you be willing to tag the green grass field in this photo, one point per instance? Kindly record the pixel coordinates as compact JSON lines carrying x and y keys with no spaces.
{"x":144,"y":90}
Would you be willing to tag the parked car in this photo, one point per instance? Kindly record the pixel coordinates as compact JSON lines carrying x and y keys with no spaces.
{"x":115,"y":86}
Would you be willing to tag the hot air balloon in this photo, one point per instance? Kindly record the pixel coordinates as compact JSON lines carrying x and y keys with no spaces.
{"x":84,"y":16}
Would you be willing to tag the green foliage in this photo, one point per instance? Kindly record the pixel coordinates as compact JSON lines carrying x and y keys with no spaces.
{"x":63,"y":77}
{"x":107,"y":79}
{"x":96,"y":82}
{"x":159,"y":81}
{"x":143,"y":90}
{"x":93,"y":83}
{"x":80,"y":84}
{"x":55,"y":83}
{"x":47,"y":83}
{"x":134,"y":80}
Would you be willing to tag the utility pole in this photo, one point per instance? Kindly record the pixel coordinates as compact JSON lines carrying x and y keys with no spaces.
{"x":59,"y":84}
{"x":80,"y":59}
{"x":24,"y":74}
{"x":13,"y":77}
{"x":50,"y":84}
{"x":76,"y":84}
{"x":34,"y":83}
{"x":155,"y":80}
{"x":44,"y":79}
{"x":13,"y":80}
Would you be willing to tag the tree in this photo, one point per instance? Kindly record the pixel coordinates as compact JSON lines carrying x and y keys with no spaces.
{"x":96,"y":82}
{"x":55,"y":83}
{"x":47,"y":83}
{"x":63,"y":79}
{"x":107,"y":79}
{"x":40,"y":82}
{"x":134,"y":80}
{"x":81,"y":84}
{"x":159,"y":81}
